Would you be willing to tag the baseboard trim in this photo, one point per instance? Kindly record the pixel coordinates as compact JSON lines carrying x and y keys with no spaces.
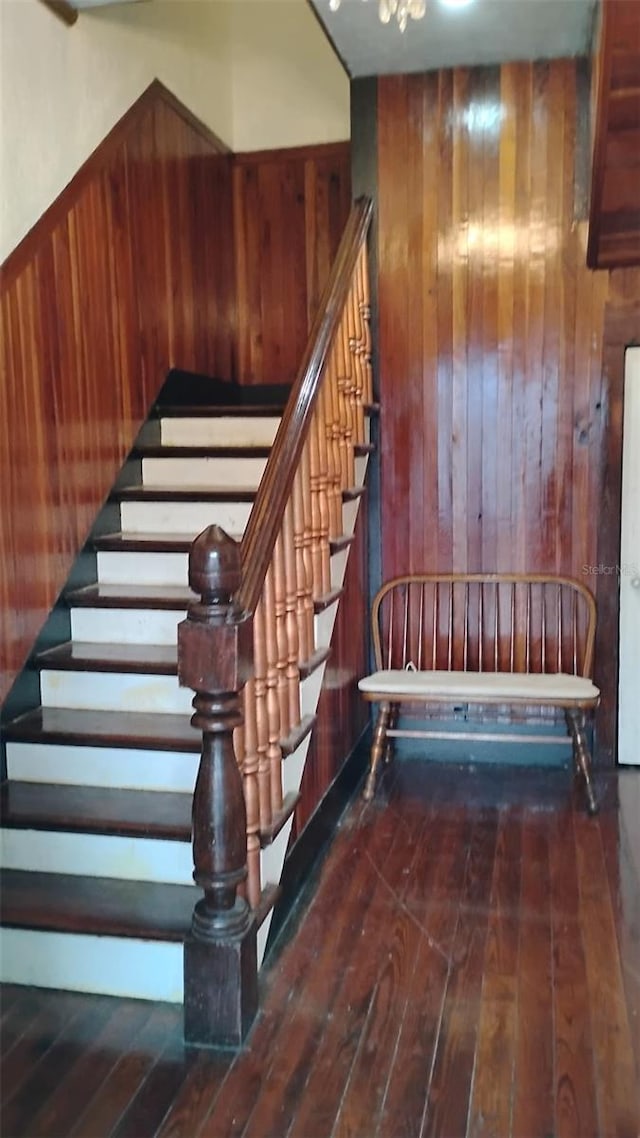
{"x":304,"y":859}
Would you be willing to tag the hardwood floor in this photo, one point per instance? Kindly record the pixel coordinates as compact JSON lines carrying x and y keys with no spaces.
{"x":468,"y":965}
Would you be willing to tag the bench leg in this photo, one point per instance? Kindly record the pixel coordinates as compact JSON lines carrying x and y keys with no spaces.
{"x":581,"y":757}
{"x":393,"y":722}
{"x":377,"y":749}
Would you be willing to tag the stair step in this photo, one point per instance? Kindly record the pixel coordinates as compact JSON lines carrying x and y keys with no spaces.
{"x":68,"y":903}
{"x":132,"y":729}
{"x":176,"y":597}
{"x":145,"y":542}
{"x":168,"y":450}
{"x":200,"y":427}
{"x":352,"y":493}
{"x":158,"y":659}
{"x":231,"y":411}
{"x":181,"y":494}
{"x":328,"y":599}
{"x":240,"y":475}
{"x":90,"y":810}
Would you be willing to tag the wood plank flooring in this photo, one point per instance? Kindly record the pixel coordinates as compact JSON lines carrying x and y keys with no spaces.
{"x":468,"y":966}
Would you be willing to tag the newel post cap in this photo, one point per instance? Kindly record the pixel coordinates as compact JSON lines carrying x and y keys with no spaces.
{"x":215,"y":566}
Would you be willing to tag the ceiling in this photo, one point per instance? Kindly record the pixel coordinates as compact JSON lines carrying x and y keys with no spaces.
{"x":487,"y":31}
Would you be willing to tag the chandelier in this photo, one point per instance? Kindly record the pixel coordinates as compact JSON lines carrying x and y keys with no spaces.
{"x":401,"y":9}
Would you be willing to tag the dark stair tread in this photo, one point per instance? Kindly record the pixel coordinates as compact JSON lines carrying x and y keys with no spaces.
{"x":307,"y":667}
{"x":233,"y":410}
{"x":146,"y":542}
{"x":139,"y":493}
{"x":279,"y":820}
{"x":360,"y":449}
{"x":96,"y":906}
{"x":353,"y":492}
{"x":131,"y":596}
{"x":292,"y":741}
{"x":159,"y":450}
{"x":325,"y":601}
{"x":337,"y":544}
{"x":139,"y":730}
{"x":174,"y":542}
{"x":155,"y":659}
{"x":96,"y":810}
{"x":82,"y":656}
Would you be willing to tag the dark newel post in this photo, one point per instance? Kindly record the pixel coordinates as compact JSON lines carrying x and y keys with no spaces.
{"x":215,"y":660}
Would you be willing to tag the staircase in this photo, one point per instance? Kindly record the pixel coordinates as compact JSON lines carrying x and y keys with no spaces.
{"x":111,"y":794}
{"x":97,"y":891}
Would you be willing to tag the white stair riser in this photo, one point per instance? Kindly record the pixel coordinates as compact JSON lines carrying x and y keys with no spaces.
{"x":271,"y":863}
{"x":97,"y":855}
{"x":227,"y":431}
{"x":361,"y":463}
{"x":118,"y":768}
{"x":323,"y":624}
{"x":115,"y":691}
{"x":126,"y":626}
{"x":239,"y":473}
{"x":131,"y":691}
{"x":110,"y":966}
{"x":143,"y":568}
{"x":184,"y":517}
{"x":293,"y":767}
{"x":338,"y":568}
{"x":155,"y":568}
{"x":349,"y":516}
{"x":310,"y":689}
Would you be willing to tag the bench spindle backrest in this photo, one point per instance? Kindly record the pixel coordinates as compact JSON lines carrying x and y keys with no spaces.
{"x":485,"y":623}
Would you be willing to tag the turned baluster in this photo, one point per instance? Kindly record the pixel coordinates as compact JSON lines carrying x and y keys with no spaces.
{"x":365,"y":310}
{"x":357,"y":351}
{"x":291,"y":604}
{"x":317,"y":428}
{"x":262,"y":716}
{"x":304,"y":606}
{"x":346,"y":384}
{"x":334,"y":487}
{"x":250,"y":764}
{"x":280,"y":618}
{"x":273,"y":703}
{"x":316,"y":523}
{"x":214,"y":659}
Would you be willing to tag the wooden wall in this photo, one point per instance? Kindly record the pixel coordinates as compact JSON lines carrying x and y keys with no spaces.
{"x":128,"y":273}
{"x":495,"y":413}
{"x":290,"y":209}
{"x":342,"y":713}
{"x":614,"y":231}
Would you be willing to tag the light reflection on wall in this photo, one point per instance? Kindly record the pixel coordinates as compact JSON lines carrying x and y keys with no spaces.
{"x":481,"y":116}
{"x":502,"y":242}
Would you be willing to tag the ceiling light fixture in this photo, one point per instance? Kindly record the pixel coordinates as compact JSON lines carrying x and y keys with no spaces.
{"x":403,"y":10}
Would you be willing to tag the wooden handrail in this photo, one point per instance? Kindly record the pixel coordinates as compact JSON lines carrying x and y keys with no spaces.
{"x":273,"y":494}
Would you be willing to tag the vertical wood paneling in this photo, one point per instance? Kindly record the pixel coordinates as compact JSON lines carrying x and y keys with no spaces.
{"x":129,"y":273}
{"x":490,"y":325}
{"x":501,"y":354}
{"x":290,"y":208}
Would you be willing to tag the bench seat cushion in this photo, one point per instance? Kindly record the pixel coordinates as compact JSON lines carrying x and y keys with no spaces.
{"x":503,"y":687}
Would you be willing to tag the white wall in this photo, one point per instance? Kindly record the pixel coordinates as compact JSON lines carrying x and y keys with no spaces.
{"x":259,"y":73}
{"x":289,"y":88}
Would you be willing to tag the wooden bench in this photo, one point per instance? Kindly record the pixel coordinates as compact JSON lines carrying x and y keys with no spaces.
{"x":500,"y":640}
